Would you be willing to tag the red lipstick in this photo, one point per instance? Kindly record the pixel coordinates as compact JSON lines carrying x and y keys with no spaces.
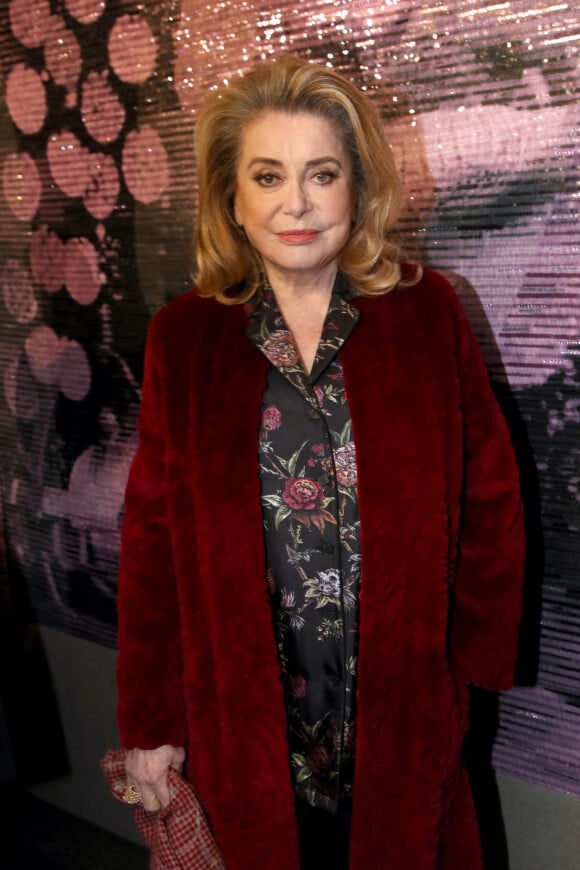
{"x":298,"y":237}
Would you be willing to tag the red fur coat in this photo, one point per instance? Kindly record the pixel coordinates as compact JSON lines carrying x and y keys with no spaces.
{"x":442,"y":553}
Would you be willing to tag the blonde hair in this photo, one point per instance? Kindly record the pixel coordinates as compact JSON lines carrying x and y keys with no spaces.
{"x":225,"y":258}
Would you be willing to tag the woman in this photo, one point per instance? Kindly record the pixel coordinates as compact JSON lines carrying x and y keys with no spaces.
{"x":323,"y":540}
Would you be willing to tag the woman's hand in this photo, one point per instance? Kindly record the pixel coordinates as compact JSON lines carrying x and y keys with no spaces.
{"x":147,"y":771}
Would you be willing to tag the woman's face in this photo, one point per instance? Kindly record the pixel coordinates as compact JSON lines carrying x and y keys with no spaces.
{"x":294,"y":195}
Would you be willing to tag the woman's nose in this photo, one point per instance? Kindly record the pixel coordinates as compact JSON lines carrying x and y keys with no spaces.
{"x":297,"y":202}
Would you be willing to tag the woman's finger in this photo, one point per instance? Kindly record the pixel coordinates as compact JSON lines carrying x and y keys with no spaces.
{"x":150,"y":800}
{"x":162,"y":792}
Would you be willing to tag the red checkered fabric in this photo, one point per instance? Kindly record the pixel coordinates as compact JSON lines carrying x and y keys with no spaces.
{"x":178,"y":835}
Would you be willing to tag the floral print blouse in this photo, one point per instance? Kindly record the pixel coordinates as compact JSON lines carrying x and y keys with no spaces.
{"x":311,"y":531}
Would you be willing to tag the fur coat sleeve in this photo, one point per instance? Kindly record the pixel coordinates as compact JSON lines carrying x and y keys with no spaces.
{"x":151,"y":708}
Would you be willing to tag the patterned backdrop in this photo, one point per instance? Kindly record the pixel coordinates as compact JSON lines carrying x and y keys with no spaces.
{"x":99,"y":100}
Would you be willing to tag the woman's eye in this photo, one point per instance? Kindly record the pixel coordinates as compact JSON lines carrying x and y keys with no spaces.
{"x":266,"y":179}
{"x":324,"y":176}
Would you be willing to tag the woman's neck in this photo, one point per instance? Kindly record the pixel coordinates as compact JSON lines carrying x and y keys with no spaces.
{"x":304,"y":313}
{"x":294,"y":288}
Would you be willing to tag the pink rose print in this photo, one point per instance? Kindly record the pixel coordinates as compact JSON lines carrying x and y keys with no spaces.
{"x":132,"y":49}
{"x":23,"y":403}
{"x":319,"y":393}
{"x":75,"y":378}
{"x":102,"y":112}
{"x":302,"y":494}
{"x":43,"y":348}
{"x":318,"y":449}
{"x":279,"y":348}
{"x":21,"y":185}
{"x":81,"y":271}
{"x":271,"y":418}
{"x":103,"y":188}
{"x":26,"y":98}
{"x":47,"y":259}
{"x":59,"y":362}
{"x":145,"y":164}
{"x":30,"y":21}
{"x":69,"y":163}
{"x":298,"y":687}
{"x":318,"y":759}
{"x":62,"y":55}
{"x":85,"y":11}
{"x":17,"y":291}
{"x":345,"y":461}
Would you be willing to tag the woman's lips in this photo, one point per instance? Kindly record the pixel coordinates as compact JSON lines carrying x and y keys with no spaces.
{"x":298,"y":237}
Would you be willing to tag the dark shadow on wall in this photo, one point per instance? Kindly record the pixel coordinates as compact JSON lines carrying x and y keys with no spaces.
{"x":529,"y":641}
{"x":484,"y":710}
{"x":35,"y":741}
{"x":484,"y":706}
{"x":32,"y":718}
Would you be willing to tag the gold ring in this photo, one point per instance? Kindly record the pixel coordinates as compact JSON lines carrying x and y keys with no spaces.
{"x":132,"y":795}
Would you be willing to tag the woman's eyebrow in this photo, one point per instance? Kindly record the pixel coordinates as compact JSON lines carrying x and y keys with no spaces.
{"x":270,"y":161}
